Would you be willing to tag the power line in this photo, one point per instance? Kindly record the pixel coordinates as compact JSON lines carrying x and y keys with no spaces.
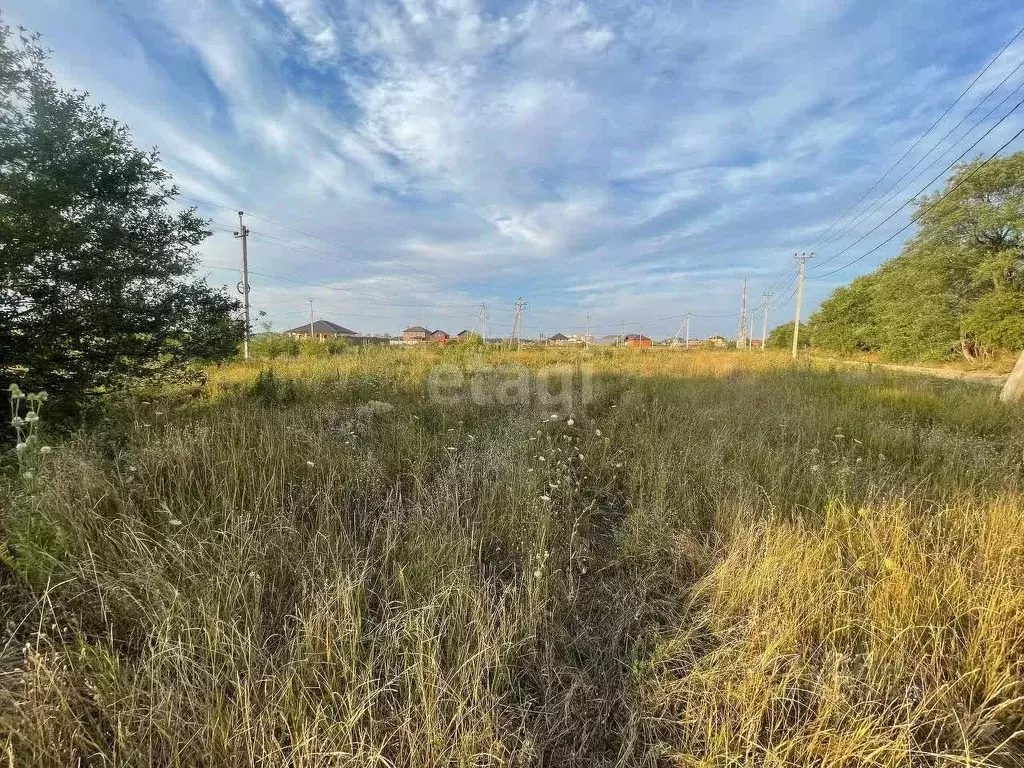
{"x":921,"y":138}
{"x":922,"y":191}
{"x":328,"y":286}
{"x":874,"y":208}
{"x":926,"y":208}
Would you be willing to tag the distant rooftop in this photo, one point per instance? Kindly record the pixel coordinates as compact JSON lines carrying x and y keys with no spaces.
{"x":325,"y":327}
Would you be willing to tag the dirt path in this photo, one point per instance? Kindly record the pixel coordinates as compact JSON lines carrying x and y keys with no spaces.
{"x":981,"y":377}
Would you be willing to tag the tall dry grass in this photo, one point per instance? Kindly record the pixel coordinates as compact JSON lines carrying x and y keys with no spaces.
{"x":721,"y":561}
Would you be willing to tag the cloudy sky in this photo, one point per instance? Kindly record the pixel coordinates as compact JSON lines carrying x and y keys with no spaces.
{"x":402,"y":161}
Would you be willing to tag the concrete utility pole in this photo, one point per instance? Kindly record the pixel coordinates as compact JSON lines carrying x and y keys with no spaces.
{"x":1013,"y":389}
{"x":586,"y":329}
{"x":686,"y":324}
{"x":802,"y":258}
{"x":622,"y":332}
{"x":743,"y":318}
{"x":764,"y":320}
{"x":750,"y":330}
{"x":517,"y":324}
{"x":243,"y":287}
{"x":310,"y":318}
{"x":481,"y":322}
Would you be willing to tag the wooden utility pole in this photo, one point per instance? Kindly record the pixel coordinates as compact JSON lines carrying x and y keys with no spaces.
{"x":764,"y":320}
{"x":243,"y":287}
{"x":586,"y":329}
{"x":802,"y":258}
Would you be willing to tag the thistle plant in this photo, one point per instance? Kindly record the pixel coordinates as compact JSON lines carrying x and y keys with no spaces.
{"x":26,"y":429}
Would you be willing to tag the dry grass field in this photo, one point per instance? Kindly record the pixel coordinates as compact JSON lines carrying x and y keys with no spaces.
{"x":448,"y":557}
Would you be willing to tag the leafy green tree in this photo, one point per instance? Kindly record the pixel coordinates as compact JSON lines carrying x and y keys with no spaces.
{"x":957,"y":288}
{"x":96,"y":270}
{"x":845,"y":321}
{"x":781,"y":336}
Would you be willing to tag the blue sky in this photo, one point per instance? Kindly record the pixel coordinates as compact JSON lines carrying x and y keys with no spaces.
{"x":405,"y":160}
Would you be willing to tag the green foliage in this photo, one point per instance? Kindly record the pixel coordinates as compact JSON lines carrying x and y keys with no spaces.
{"x":273,"y":345}
{"x":269,"y":389}
{"x":781,"y":336}
{"x":335,"y":345}
{"x":96,"y":286}
{"x":958,"y":286}
{"x":471,"y":340}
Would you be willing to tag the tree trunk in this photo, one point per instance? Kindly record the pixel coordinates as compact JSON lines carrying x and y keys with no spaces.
{"x":963,"y":345}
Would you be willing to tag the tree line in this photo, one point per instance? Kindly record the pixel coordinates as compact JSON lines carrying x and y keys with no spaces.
{"x":957,"y":287}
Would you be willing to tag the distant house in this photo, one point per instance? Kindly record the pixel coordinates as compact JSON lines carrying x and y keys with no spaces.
{"x":558,"y":338}
{"x":717,"y":341}
{"x":321,"y":330}
{"x":464,"y":334}
{"x":438,"y":335}
{"x":416,"y":333}
{"x":638,"y":340}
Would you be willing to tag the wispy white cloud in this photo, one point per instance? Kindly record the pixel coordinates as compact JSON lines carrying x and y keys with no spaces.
{"x":636,"y":158}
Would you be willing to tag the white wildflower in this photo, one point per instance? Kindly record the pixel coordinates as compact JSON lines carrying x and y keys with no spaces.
{"x":28,"y":475}
{"x":45,"y":449}
{"x":17,"y":421}
{"x":581,"y":457}
{"x":815,"y":467}
{"x":174,"y":522}
{"x":554,"y":417}
{"x":618,"y":465}
{"x":31,"y":416}
{"x":541,"y":458}
{"x":570,"y":422}
{"x":597,"y":432}
{"x":20,"y":447}
{"x":310,"y":463}
{"x":545,"y":497}
{"x":537,"y":574}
